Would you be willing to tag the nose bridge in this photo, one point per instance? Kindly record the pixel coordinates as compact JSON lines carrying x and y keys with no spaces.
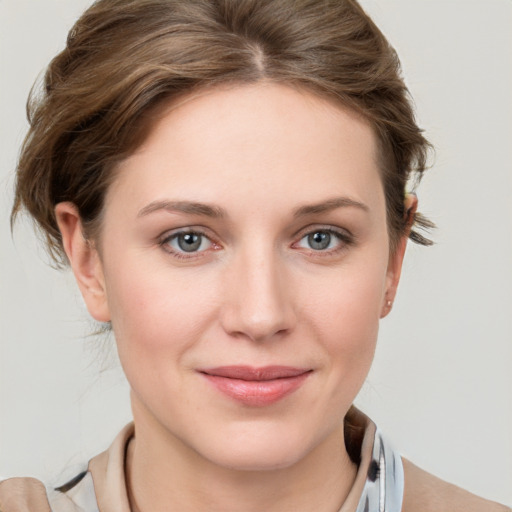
{"x":258,"y":303}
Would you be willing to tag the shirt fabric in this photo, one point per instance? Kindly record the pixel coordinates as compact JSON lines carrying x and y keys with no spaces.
{"x":378,"y":486}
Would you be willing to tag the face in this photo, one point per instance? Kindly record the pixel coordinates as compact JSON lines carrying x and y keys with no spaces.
{"x":244,"y":266}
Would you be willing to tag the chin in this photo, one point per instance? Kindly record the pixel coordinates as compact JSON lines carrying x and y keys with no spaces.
{"x":260,"y":448}
{"x":256,"y":459}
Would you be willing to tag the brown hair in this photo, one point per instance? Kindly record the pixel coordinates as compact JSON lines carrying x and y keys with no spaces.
{"x":123,"y":58}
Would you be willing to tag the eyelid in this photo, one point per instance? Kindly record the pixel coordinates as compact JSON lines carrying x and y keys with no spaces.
{"x":345,"y":237}
{"x":164,"y":239}
{"x":312,"y":228}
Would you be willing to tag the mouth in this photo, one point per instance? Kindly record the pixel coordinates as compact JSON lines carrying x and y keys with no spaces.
{"x":256,"y":386}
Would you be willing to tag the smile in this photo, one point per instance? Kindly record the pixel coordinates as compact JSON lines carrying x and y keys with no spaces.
{"x":256,"y":386}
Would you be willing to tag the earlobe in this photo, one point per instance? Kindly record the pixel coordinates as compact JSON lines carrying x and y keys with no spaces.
{"x":393,"y":276}
{"x":84,"y":260}
{"x":396,"y":259}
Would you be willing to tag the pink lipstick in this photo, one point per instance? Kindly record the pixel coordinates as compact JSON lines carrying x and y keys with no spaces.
{"x":256,"y":386}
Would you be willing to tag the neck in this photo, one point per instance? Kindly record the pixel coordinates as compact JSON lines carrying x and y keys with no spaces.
{"x":165,"y":475}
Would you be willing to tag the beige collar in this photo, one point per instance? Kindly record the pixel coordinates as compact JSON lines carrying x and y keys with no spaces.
{"x":108,"y":468}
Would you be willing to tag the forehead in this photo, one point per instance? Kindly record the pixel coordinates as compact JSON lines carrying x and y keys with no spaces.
{"x":254,"y":140}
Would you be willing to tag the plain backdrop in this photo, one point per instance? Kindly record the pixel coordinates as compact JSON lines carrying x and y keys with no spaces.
{"x":441,"y":385}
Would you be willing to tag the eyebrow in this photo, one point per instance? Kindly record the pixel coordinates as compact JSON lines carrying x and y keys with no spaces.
{"x":195,"y":208}
{"x":189,"y":207}
{"x":330,"y":204}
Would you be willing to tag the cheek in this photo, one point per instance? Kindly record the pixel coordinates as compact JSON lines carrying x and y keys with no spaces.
{"x":155,"y":309}
{"x":345,"y":311}
{"x":157,"y":320}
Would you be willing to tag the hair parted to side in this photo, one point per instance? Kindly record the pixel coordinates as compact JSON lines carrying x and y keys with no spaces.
{"x":126,"y":58}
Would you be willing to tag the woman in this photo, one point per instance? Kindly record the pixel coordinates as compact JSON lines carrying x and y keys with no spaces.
{"x":227,"y":182}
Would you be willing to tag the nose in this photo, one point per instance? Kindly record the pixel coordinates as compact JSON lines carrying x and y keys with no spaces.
{"x":258,"y":303}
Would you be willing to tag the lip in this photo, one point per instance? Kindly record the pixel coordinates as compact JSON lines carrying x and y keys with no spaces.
{"x":256,"y":386}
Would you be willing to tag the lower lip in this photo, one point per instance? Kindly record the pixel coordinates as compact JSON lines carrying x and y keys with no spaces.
{"x":257,"y":393}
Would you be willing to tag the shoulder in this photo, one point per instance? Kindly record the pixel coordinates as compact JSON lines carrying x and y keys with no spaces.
{"x":31,"y":495}
{"x":100,"y":486}
{"x":23,"y":495}
{"x":424,"y":492}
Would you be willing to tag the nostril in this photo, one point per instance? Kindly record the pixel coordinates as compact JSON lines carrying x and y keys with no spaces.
{"x":260,"y":327}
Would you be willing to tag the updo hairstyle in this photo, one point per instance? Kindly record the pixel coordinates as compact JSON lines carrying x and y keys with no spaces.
{"x":127,"y":59}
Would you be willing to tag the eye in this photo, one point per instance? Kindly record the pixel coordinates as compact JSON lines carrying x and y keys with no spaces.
{"x":327,"y":240}
{"x":187,"y":242}
{"x":319,"y":241}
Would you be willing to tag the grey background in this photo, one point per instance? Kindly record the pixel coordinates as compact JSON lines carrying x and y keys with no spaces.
{"x":441,"y":385}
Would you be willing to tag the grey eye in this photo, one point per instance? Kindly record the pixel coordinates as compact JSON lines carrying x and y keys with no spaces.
{"x":189,"y":242}
{"x":319,"y":240}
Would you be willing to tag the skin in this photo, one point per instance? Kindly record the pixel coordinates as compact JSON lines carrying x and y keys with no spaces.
{"x":255,"y":293}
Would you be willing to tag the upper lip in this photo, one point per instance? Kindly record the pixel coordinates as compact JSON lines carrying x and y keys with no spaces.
{"x":251,"y":373}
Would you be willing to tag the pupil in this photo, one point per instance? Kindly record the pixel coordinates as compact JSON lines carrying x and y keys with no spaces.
{"x":189,"y":242}
{"x":319,"y":240}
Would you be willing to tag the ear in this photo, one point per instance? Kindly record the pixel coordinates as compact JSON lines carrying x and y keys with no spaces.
{"x":396,"y":259}
{"x":84,"y":260}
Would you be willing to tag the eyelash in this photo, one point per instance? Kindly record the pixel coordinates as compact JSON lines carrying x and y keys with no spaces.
{"x":344,"y":239}
{"x":183,"y":255}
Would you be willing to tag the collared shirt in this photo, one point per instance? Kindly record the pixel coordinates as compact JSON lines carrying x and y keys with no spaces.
{"x":378,"y":486}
